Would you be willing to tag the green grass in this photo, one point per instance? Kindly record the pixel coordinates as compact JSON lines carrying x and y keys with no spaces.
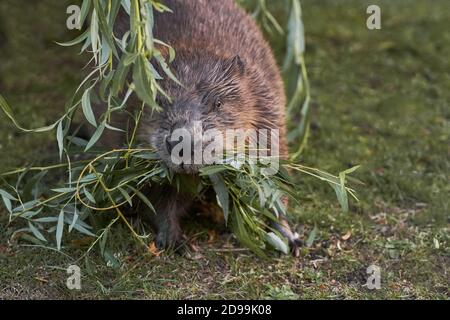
{"x":380,"y":99}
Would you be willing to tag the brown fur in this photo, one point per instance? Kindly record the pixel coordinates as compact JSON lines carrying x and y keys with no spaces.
{"x":220,"y":55}
{"x":205,"y":32}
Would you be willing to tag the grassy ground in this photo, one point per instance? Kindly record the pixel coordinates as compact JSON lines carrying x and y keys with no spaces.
{"x":380,"y":99}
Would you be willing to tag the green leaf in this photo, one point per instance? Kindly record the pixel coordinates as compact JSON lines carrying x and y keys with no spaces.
{"x":114,"y":12}
{"x":147,"y":156}
{"x":142,"y":82}
{"x":104,"y":27}
{"x":8,"y":204}
{"x":105,"y":52}
{"x":82,"y":229}
{"x":126,"y":196}
{"x":79,"y":142}
{"x":26,"y":206}
{"x":221,"y":193}
{"x":86,"y":44}
{"x":351,"y":170}
{"x":7,"y":110}
{"x":87,"y":108}
{"x":95,"y":137}
{"x":7,"y":195}
{"x":84,"y":11}
{"x":126,"y":4}
{"x":60,"y":139}
{"x":89,"y":195}
{"x":113,"y":128}
{"x":30,"y":238}
{"x":209,"y":170}
{"x":277,"y":243}
{"x":103,"y":241}
{"x":74,"y":219}
{"x":46,"y":220}
{"x":105,"y":85}
{"x":64,"y":190}
{"x":130,"y":58}
{"x":340,"y":189}
{"x":94,"y":33}
{"x":166,"y":69}
{"x":120,"y":77}
{"x":75,"y":41}
{"x":36,"y":232}
{"x":312,"y":236}
{"x":59,"y":229}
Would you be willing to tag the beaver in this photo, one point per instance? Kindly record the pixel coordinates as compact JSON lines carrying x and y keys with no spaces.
{"x":230,"y":81}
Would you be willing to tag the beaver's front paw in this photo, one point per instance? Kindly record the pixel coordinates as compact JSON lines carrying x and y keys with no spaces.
{"x":293,"y":238}
{"x":295,"y":244}
{"x":172,"y":240}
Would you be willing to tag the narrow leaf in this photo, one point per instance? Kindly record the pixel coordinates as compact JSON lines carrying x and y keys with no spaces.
{"x":87,"y":108}
{"x":59,"y":229}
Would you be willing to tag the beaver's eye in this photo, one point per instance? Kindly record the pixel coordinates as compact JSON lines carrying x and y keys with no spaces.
{"x":218,"y":103}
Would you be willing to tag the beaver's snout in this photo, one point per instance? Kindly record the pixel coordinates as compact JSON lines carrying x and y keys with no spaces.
{"x":183,"y":146}
{"x":215,"y":97}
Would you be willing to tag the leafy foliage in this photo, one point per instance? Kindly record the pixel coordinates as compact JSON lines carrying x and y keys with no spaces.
{"x":107,"y":183}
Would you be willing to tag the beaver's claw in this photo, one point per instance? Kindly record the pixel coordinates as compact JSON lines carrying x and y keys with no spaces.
{"x":170,"y":240}
{"x":295,"y":243}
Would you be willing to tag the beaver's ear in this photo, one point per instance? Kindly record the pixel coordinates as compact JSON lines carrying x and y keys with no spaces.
{"x":234,"y":66}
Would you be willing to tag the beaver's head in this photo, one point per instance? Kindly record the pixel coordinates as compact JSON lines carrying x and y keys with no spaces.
{"x":215,"y":96}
